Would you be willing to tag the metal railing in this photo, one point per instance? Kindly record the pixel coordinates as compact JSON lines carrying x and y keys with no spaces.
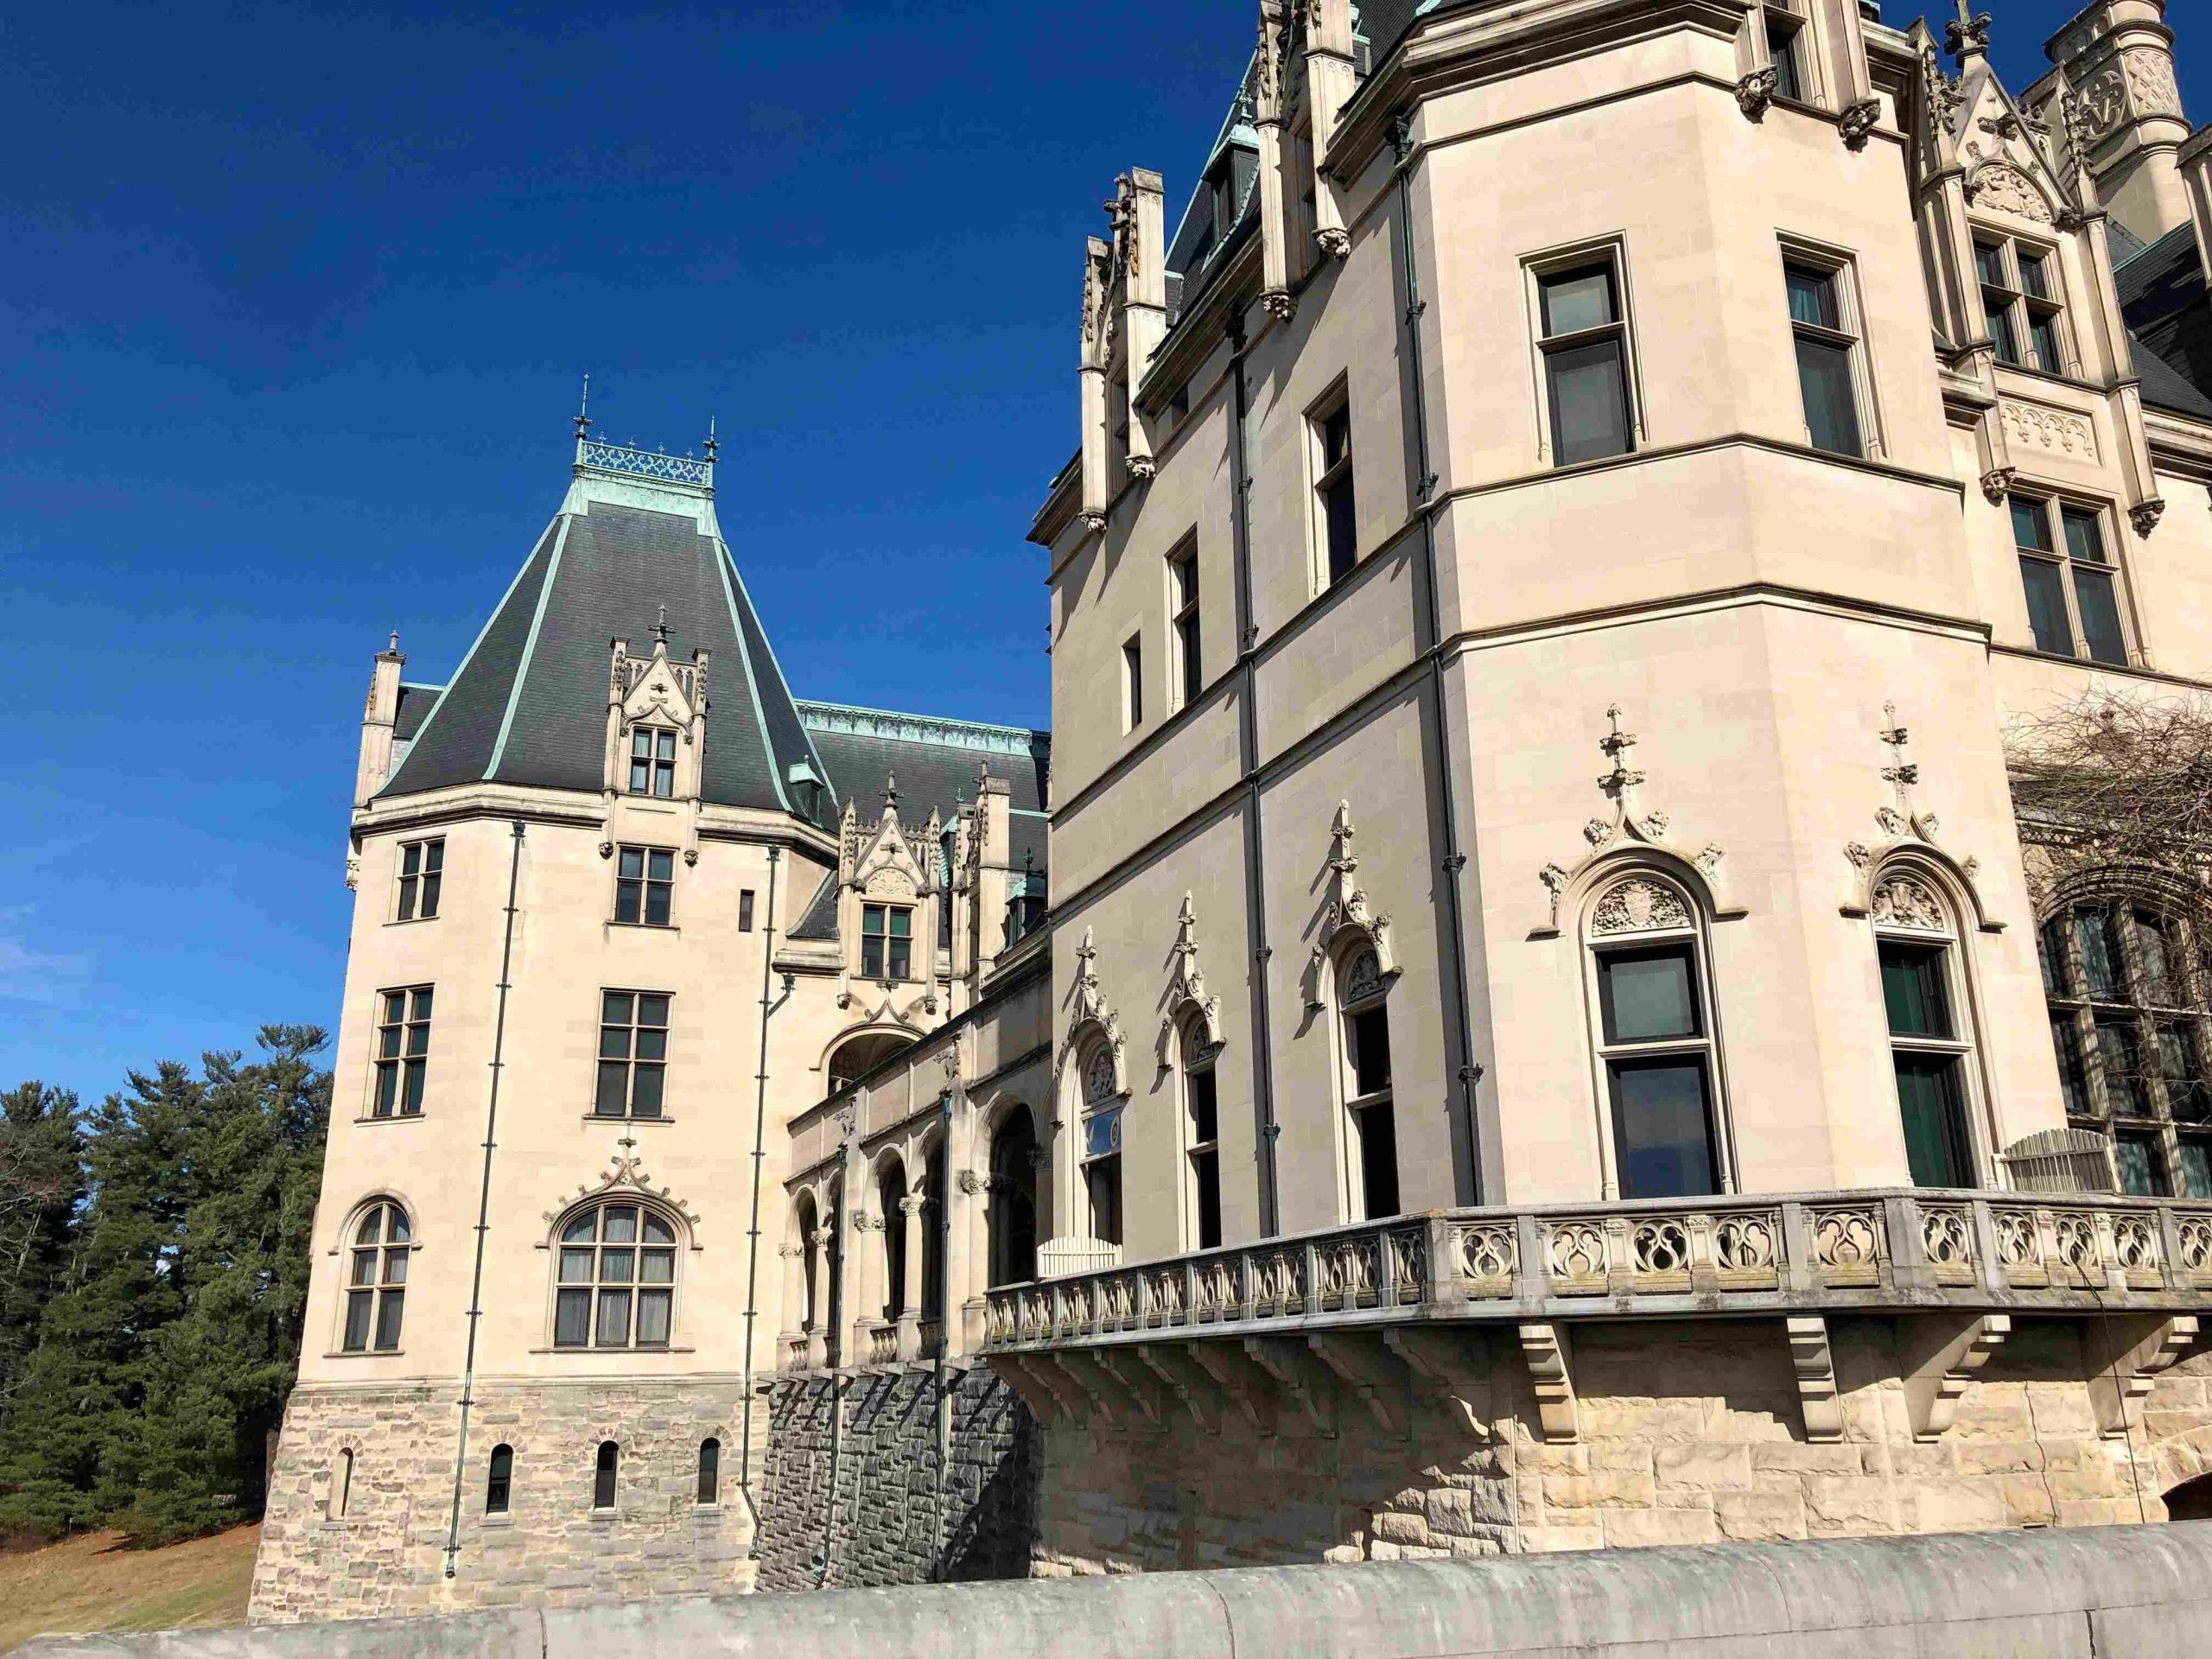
{"x":644,"y":463}
{"x":1871,"y":1250}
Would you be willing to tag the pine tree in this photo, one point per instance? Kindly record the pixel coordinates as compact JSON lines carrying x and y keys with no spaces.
{"x":41,"y":1185}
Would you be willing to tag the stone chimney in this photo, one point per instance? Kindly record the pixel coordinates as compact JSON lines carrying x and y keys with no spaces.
{"x":379,"y":721}
{"x":1143,"y":256}
{"x":1098,"y":348}
{"x":2118,"y":58}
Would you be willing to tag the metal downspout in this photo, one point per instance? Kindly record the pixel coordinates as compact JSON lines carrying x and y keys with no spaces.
{"x":484,"y":1198}
{"x":1248,"y":738}
{"x":1455,"y":860}
{"x":753,"y":1234}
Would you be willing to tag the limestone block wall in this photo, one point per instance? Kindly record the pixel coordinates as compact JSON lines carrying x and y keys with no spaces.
{"x":1691,"y":1432}
{"x":370,"y":1541}
{"x":854,"y":1460}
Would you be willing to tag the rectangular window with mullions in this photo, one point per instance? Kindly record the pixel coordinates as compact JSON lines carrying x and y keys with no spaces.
{"x":1658,"y":1070}
{"x":1787,"y":41}
{"x":1587,"y":392}
{"x":2070,"y":582}
{"x":421,"y":873}
{"x":653,"y":761}
{"x":2021,"y":296}
{"x":403,"y":1056}
{"x":1823,"y":318}
{"x":886,"y":942}
{"x":632,"y":1054}
{"x":644,"y":883}
{"x":1335,"y":503}
{"x":1183,"y":605}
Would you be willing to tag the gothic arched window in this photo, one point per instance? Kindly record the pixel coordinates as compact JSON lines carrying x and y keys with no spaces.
{"x":890,"y":1191}
{"x":2128,"y":1021}
{"x":1102,"y":1144}
{"x":1655,"y":1039}
{"x":1013,"y":1211}
{"x":616,"y":1285}
{"x":1201,"y":1137}
{"x":376,"y":1279}
{"x":1931,"y":1026}
{"x":1370,"y":1111}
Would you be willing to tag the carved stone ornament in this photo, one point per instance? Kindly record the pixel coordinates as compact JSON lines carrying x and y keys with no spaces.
{"x":624,"y":1175}
{"x":969,"y":1181}
{"x":1141,"y":465}
{"x":1942,"y":91}
{"x":1334,"y":241}
{"x":1904,"y":901}
{"x":1639,"y":905}
{"x":1346,"y":909}
{"x":353,"y":872}
{"x":1997,"y":484}
{"x":1279,"y":303}
{"x":2001,"y":186}
{"x":1857,"y":122}
{"x":1969,"y":35}
{"x":1090,"y":1019}
{"x":2144,"y":515}
{"x":1755,"y":91}
{"x":1904,"y":826}
{"x":2151,"y":81}
{"x":1631,"y":824}
{"x":1187,"y":1000}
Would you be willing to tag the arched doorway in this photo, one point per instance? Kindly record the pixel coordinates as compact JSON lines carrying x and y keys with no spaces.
{"x":2191,"y":1500}
{"x":1013,"y":1214}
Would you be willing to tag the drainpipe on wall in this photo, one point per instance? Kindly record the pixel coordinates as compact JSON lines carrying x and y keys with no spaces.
{"x":836,"y":1266}
{"x":943,"y":1411}
{"x":1455,"y":860}
{"x":753,"y":1234}
{"x":1248,"y":738}
{"x":484,"y":1198}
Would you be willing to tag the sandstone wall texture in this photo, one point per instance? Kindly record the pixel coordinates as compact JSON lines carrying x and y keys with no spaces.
{"x":881,"y":1516}
{"x":371,"y":1542}
{"x":1690,"y":1433}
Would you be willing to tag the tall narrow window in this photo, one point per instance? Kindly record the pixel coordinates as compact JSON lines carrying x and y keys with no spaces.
{"x":933,"y":1219}
{"x":653,"y":761}
{"x":2070,"y":580}
{"x":890,"y":1195}
{"x":1786,"y":43}
{"x":710,"y":1471}
{"x":2022,"y":297}
{"x":1927,"y":1047}
{"x":603,"y":1474}
{"x":2129,"y":1018}
{"x":1335,"y":509}
{"x":341,"y":1496}
{"x":632,"y":1054}
{"x":499,"y":1484}
{"x":617,"y":1283}
{"x":1828,"y":344}
{"x":745,"y":911}
{"x":645,"y":883}
{"x":403,"y":1051}
{"x":1657,"y":1041}
{"x":1362,"y":1007}
{"x":1011,"y":1217}
{"x":1183,"y":597}
{"x":1132,"y":683}
{"x":1101,"y":1145}
{"x":1202,"y":1130}
{"x":886,"y":942}
{"x":376,"y":1280}
{"x":1584,"y":349}
{"x":421,"y":873}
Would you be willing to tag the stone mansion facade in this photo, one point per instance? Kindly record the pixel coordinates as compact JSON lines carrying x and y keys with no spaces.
{"x":1519,"y":1017}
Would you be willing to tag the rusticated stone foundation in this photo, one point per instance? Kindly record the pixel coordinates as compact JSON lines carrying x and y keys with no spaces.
{"x":374,"y":1545}
{"x":1688,"y":1433}
{"x":880,"y":1520}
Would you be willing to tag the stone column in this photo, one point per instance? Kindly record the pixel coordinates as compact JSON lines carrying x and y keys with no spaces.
{"x":817,"y":1333}
{"x":910,"y":1318}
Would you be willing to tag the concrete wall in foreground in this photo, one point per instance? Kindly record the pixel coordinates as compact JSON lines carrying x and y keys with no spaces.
{"x":2143,"y":1593}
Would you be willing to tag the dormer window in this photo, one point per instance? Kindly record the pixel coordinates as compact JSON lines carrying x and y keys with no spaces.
{"x":2021,"y":296}
{"x":886,"y":942}
{"x":653,"y":761}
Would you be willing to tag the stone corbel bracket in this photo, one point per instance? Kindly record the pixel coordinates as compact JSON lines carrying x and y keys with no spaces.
{"x":1251,"y":1389}
{"x":1810,"y":1356}
{"x":1193,"y":1388}
{"x":1454,"y":1372}
{"x":1939,"y":1355}
{"x":1300,"y":1376}
{"x":2125,"y":1354}
{"x":1137,"y":1381}
{"x":1545,"y":1348}
{"x":1037,"y":1392}
{"x":1373,"y":1373}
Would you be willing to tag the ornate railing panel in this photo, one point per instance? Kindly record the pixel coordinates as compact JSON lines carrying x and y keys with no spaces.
{"x":644,"y":463}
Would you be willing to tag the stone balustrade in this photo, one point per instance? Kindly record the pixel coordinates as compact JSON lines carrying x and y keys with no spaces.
{"x":1833,"y":1252}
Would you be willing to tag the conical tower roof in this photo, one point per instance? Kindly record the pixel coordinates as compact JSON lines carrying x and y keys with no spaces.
{"x":634,"y":541}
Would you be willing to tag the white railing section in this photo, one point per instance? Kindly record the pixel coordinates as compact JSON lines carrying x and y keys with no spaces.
{"x":1870,"y":1248}
{"x":644,"y":463}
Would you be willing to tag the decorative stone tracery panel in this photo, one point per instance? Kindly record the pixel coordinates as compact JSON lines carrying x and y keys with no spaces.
{"x":1639,"y":905}
{"x":2057,"y":431}
{"x":2004,"y":187}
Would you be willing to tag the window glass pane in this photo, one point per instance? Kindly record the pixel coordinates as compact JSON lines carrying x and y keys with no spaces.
{"x":2043,"y":332}
{"x":1913,"y":990}
{"x":2092,"y":593}
{"x":1831,"y":401}
{"x":660,"y":866}
{"x":1812,"y":296}
{"x":871,"y":918}
{"x":2047,"y":607}
{"x":411,"y":1099}
{"x":400,"y":1231}
{"x":1103,"y":1184}
{"x":614,"y":1086}
{"x":2195,"y":1170}
{"x":657,"y":1267}
{"x":614,"y":1265}
{"x":1788,"y":74}
{"x":1660,"y":1129}
{"x":1935,"y":1141}
{"x":422,"y":997}
{"x":581,"y":1229}
{"x":1647,"y":994}
{"x":1579,"y":299}
{"x":901,"y":963}
{"x":653,"y":1010}
{"x":2034,"y":278}
{"x":1989,"y":263}
{"x":433,"y":856}
{"x":1102,"y":1132}
{"x":645,"y":1093}
{"x":2050,"y":953}
{"x":407,"y":899}
{"x":410,"y":858}
{"x":2127,"y":1090}
{"x":1204,"y":1113}
{"x":2002,"y":329}
{"x":371,"y":1226}
{"x":613,"y":1329}
{"x":1589,"y":403}
{"x":1378,"y":1161}
{"x":2032,"y":525}
{"x":667,"y":747}
{"x":356,"y":1321}
{"x":653,"y":1319}
{"x":657,"y":1231}
{"x":653,"y":1043}
{"x":710,"y":1463}
{"x":418,"y":1040}
{"x":395,"y":1005}
{"x":390,"y":1305}
{"x":1341,"y":527}
{"x":2138,"y":1161}
{"x":2155,"y":960}
{"x":2184,"y":1075}
{"x":1205,"y":1170}
{"x":395,"y":1266}
{"x":576,"y":1265}
{"x":621,"y":1224}
{"x":603,"y":1485}
{"x":1336,"y":437}
{"x":902,"y":923}
{"x":2096,"y":935}
{"x":614,"y":1043}
{"x":430,"y":885}
{"x":657,"y":903}
{"x":364,"y":1267}
{"x":1368,"y":1033}
{"x":2072,"y":1085}
{"x":572,"y":1318}
{"x":633,"y":863}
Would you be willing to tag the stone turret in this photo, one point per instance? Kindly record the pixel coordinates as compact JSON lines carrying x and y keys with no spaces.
{"x":379,"y":722}
{"x":2117,"y":59}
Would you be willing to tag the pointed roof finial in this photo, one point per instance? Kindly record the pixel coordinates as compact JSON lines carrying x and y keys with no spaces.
{"x":395,"y":639}
{"x":583,"y":409}
{"x":660,"y":629}
{"x":713,"y":442}
{"x":1968,"y":37}
{"x":891,"y":791}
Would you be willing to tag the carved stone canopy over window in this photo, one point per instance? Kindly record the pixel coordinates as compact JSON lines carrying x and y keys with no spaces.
{"x":1906,"y":902}
{"x":1363,"y":979}
{"x":1639,"y":905}
{"x":1098,"y":1076}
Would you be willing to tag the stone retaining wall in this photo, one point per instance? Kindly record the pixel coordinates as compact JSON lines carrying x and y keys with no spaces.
{"x":380,"y":1549}
{"x":885,"y":1523}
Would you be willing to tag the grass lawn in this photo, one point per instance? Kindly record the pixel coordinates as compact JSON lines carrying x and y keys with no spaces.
{"x":92,"y":1583}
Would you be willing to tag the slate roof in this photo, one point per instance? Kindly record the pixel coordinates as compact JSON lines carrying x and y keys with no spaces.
{"x":528,"y":704}
{"x":2162,"y":296}
{"x":935,"y":761}
{"x":819,"y":919}
{"x":416,"y":702}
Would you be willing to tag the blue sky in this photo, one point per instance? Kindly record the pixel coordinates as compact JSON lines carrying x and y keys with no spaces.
{"x":295,"y":306}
